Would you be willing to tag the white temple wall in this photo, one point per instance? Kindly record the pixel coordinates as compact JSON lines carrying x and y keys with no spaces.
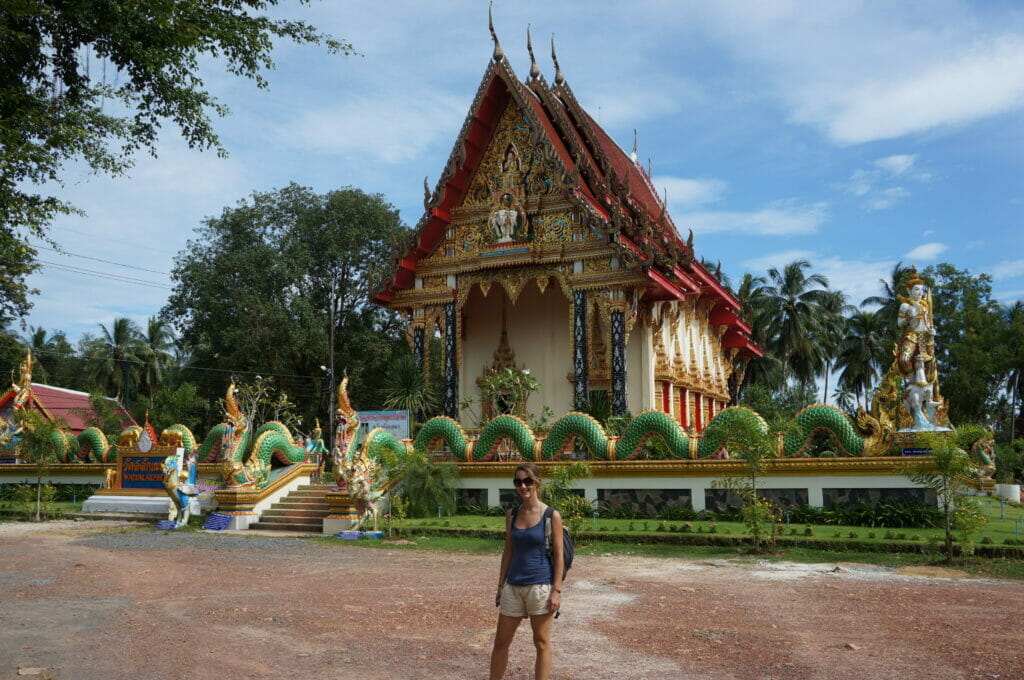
{"x":640,"y":369}
{"x":538,"y":333}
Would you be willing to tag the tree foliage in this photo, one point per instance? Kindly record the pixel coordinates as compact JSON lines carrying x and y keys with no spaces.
{"x":253,"y":292}
{"x":95,"y":80}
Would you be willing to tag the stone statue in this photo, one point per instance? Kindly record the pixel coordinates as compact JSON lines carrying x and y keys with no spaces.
{"x":923,"y":408}
{"x":504,"y":220}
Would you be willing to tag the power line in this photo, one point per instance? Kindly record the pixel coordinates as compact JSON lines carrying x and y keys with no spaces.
{"x":102,"y":275}
{"x":96,"y":259}
{"x":138,"y":362}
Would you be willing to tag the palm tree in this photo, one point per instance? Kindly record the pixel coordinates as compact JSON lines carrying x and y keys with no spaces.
{"x":122,"y":344}
{"x":792,"y":316}
{"x":844,"y":399}
{"x":39,"y":345}
{"x":862,"y":353}
{"x":888,"y":302}
{"x":408,"y":390}
{"x":157,"y":341}
{"x":834,"y":309}
{"x":764,"y":369}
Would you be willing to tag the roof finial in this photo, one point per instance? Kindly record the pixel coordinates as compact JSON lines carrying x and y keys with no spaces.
{"x":559,"y":78}
{"x":498,"y":54}
{"x":534,"y":69}
{"x":632,"y":154}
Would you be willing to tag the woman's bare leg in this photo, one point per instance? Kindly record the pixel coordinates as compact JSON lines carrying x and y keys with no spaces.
{"x":502,"y":639}
{"x":542,"y":641}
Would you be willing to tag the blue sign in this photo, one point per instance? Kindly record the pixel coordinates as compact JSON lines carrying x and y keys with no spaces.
{"x":916,"y":451}
{"x":142,"y":472}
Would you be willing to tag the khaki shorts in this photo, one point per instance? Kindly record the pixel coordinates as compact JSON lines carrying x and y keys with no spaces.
{"x":520,"y":601}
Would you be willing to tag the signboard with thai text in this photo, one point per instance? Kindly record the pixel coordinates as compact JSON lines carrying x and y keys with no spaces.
{"x":141,"y":471}
{"x":395,"y":422}
{"x":916,"y":451}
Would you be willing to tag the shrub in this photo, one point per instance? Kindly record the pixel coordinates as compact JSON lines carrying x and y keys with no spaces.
{"x":853,"y":534}
{"x":987,"y":540}
{"x":713,"y":528}
{"x":808,"y":530}
{"x":677,"y":514}
{"x":687,"y":527}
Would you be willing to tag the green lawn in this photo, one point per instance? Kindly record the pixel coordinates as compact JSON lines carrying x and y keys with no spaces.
{"x":997,"y":529}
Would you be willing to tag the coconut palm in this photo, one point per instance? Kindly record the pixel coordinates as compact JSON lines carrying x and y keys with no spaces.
{"x":39,"y":345}
{"x":155,"y":353}
{"x":793,"y":320}
{"x":834,"y":309}
{"x":863,"y":353}
{"x":888,"y":302}
{"x":122,"y":345}
{"x":763,"y":369}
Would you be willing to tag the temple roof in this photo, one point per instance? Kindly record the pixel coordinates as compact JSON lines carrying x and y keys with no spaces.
{"x":613,"y":191}
{"x":71,"y":406}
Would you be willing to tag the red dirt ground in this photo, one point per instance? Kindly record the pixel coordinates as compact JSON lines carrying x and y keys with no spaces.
{"x":89,"y":605}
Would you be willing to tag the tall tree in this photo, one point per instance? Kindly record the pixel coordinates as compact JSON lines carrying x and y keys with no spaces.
{"x":157,"y":342}
{"x":794,"y":322}
{"x":863,"y":353}
{"x":122,"y":347}
{"x":888,"y":302}
{"x":833,"y":309}
{"x":94,"y":80}
{"x":1015,"y":363}
{"x":969,"y":333}
{"x":254,"y":291}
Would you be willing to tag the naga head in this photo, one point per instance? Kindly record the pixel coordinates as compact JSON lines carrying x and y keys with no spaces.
{"x":345,"y":415}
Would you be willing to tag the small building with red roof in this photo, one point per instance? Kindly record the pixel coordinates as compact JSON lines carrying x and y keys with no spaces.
{"x":544,"y":246}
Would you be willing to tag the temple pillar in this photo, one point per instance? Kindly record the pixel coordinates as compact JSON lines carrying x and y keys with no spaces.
{"x":698,"y":412}
{"x":683,"y":413}
{"x":451,"y":367}
{"x":618,"y":323}
{"x":581,"y":378}
{"x":418,"y":342}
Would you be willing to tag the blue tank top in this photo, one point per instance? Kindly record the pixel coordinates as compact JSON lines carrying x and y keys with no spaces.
{"x":530,"y":564}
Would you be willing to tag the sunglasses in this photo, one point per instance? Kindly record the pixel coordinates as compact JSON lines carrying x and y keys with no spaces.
{"x":526,"y":481}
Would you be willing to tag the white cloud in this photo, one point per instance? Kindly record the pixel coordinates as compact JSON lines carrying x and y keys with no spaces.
{"x":778,"y":218}
{"x":897,"y":164}
{"x":927,"y":251}
{"x":860,"y":183}
{"x":683,"y":193}
{"x":983,"y":81}
{"x":859,"y":279}
{"x":886,"y":198}
{"x":1010,"y":296}
{"x":777,"y":260}
{"x":1008,"y":269}
{"x":390,"y":127}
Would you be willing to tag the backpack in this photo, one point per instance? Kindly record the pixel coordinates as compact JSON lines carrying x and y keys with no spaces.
{"x":568,"y":548}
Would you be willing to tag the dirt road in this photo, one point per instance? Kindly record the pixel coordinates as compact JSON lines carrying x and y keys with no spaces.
{"x":85,"y":603}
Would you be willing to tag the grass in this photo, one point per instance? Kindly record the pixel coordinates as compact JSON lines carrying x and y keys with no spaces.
{"x":997,"y":529}
{"x":12,"y":511}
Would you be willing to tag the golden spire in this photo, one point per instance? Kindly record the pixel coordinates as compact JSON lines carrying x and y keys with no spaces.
{"x":498,"y":54}
{"x":534,"y":69}
{"x":913,"y":278}
{"x":559,"y":78}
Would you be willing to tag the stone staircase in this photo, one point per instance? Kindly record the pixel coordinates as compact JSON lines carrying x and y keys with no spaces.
{"x":302,"y":510}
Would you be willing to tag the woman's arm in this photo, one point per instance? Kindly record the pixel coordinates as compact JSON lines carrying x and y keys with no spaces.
{"x":557,"y":561}
{"x":506,"y":556}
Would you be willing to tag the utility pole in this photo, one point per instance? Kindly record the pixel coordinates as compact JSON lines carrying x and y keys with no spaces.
{"x":330,"y":361}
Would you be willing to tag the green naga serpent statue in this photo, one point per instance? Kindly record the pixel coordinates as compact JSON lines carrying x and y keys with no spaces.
{"x":247,"y":458}
{"x":366,"y":469}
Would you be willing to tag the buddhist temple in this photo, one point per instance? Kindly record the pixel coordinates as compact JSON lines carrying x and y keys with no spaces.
{"x":544,"y":246}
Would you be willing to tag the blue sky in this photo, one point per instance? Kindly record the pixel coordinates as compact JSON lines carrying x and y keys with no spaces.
{"x":851,"y":134}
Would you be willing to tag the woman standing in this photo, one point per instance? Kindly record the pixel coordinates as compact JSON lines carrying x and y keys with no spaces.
{"x":530,"y":579}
